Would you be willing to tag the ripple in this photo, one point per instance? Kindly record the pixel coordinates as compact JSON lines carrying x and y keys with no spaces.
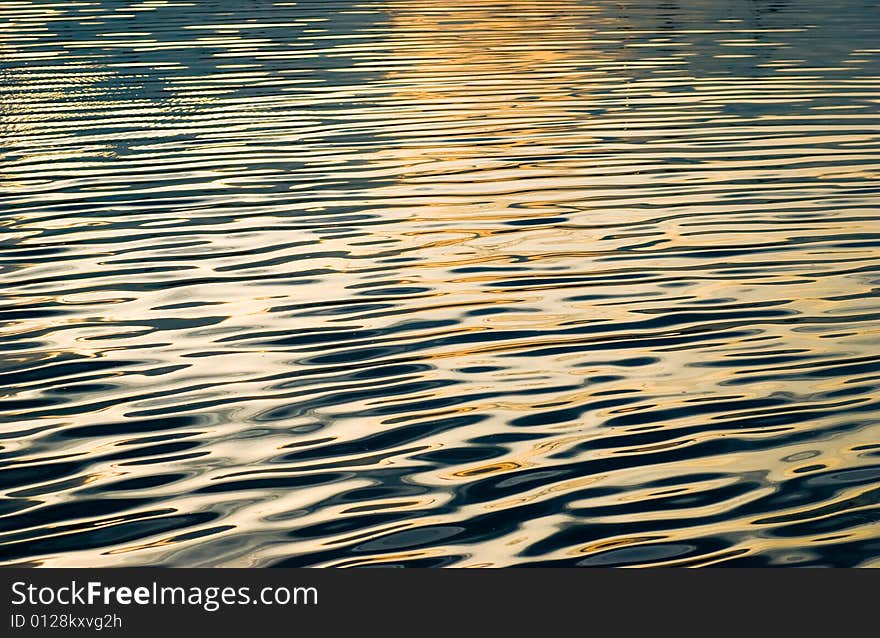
{"x":556,"y":283}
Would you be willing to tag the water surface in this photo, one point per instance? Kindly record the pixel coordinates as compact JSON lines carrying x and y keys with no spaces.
{"x":422,"y":283}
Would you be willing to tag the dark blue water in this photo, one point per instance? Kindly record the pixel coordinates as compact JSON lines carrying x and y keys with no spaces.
{"x":437,"y":283}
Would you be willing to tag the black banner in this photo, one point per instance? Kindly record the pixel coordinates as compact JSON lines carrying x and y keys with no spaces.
{"x":237,"y":602}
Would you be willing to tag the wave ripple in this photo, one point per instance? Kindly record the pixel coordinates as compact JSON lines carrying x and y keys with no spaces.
{"x":413,"y":283}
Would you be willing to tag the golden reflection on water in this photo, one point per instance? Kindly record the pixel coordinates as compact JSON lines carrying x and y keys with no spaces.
{"x":483,"y":284}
